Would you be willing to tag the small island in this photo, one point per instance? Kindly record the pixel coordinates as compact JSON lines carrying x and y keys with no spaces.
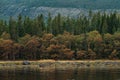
{"x":91,"y":41}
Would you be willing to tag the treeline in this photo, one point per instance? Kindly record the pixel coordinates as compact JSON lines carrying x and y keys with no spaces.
{"x":96,"y":36}
{"x":102,"y":22}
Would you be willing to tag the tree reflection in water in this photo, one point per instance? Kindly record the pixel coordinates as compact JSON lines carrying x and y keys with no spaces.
{"x":81,"y":74}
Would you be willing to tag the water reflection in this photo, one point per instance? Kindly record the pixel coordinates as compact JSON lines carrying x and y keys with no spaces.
{"x":82,"y":74}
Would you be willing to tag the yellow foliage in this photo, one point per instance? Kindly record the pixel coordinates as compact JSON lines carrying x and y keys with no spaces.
{"x":94,"y":36}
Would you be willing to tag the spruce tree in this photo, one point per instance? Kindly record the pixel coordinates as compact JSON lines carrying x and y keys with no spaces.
{"x":20,"y":27}
{"x":13,"y":29}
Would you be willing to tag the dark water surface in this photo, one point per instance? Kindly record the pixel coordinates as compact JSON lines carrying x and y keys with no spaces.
{"x":82,"y":74}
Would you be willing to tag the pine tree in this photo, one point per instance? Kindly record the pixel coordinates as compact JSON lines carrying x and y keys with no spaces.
{"x":20,"y":27}
{"x":49,"y":24}
{"x":2,"y":27}
{"x":13,"y":29}
{"x":27,"y":25}
{"x":40,"y":24}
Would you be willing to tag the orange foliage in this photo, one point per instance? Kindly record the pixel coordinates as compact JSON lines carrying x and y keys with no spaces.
{"x":91,"y":54}
{"x":67,"y":53}
{"x":113,"y":55}
{"x":32,"y":47}
{"x":81,"y":54}
{"x":48,"y":36}
{"x":10,"y":49}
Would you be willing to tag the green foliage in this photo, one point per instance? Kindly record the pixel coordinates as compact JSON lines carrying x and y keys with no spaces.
{"x":93,"y":37}
{"x":13,"y":29}
{"x":5,"y":36}
{"x":20,"y":27}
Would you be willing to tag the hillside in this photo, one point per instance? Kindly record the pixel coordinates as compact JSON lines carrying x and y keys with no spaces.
{"x":89,"y":4}
{"x":34,"y":7}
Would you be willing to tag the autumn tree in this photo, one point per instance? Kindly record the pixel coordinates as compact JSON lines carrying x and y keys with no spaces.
{"x":5,"y":36}
{"x":32,"y":49}
{"x":9,"y":49}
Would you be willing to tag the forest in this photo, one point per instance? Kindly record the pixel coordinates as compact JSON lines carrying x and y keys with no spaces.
{"x":96,"y":36}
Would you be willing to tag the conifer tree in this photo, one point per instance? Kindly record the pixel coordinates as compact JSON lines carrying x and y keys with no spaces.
{"x":20,"y":27}
{"x":40,"y":24}
{"x":49,"y":24}
{"x":2,"y":27}
{"x":13,"y":29}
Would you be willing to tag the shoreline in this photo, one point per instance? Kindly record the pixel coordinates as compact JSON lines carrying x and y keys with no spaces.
{"x":49,"y":65}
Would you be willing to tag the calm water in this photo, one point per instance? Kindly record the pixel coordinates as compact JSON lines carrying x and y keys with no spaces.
{"x":83,"y":74}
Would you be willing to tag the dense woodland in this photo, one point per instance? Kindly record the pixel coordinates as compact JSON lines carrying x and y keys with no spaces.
{"x":96,"y":36}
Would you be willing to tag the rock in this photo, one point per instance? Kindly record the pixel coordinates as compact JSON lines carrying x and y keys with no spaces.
{"x":26,"y":63}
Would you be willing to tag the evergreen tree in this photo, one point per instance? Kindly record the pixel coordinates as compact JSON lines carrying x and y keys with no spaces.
{"x":2,"y":27}
{"x":20,"y":27}
{"x":49,"y":24}
{"x":13,"y":29}
{"x":40,"y":24}
{"x":28,"y":25}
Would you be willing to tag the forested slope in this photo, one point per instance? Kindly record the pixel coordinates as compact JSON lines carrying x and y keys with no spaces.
{"x":96,"y":36}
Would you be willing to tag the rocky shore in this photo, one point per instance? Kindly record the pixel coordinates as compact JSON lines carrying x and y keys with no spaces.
{"x":48,"y":65}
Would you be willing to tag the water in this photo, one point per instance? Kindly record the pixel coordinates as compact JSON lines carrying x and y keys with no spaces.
{"x":83,"y":74}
